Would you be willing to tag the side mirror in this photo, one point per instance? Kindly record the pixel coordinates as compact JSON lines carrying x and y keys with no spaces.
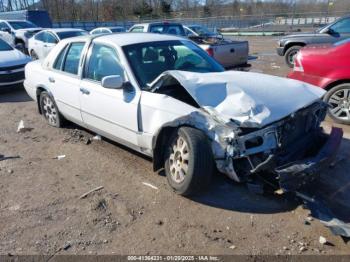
{"x":113,"y":82}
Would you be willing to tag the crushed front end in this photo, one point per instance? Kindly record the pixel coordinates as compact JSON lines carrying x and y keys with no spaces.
{"x":288,"y":153}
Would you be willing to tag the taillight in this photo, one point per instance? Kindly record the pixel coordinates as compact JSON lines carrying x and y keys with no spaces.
{"x":210,"y":51}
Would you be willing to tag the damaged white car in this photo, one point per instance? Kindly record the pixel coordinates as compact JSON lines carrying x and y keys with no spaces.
{"x":165,"y":97}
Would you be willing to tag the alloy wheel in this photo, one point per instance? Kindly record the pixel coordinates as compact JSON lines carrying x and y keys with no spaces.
{"x":49,"y":110}
{"x":179,"y":160}
{"x":340,"y":104}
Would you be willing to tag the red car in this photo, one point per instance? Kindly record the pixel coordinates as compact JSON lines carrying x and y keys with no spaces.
{"x":327,"y":66}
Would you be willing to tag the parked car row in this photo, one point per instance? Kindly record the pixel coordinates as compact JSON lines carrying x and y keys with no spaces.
{"x":228,"y":53}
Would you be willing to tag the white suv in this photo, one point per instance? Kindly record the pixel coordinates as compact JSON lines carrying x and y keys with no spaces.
{"x":18,"y":32}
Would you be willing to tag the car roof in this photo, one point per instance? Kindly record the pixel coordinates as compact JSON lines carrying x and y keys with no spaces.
{"x":123,"y":39}
{"x":59,"y":30}
{"x":14,"y":20}
{"x":158,"y":23}
{"x":108,"y":27}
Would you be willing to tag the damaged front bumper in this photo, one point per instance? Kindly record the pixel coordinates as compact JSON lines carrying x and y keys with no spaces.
{"x":287,"y":154}
{"x":295,"y":175}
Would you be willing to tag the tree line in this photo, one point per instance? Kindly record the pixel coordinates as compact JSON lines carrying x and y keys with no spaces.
{"x":111,"y":10}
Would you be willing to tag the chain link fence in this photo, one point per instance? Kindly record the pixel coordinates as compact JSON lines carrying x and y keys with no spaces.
{"x":245,"y":24}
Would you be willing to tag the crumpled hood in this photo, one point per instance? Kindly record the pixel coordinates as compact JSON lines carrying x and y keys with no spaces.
{"x":13,"y":58}
{"x":251,"y":99}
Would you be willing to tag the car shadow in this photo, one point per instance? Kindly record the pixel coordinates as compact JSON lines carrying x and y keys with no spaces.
{"x":14,"y":95}
{"x":226,"y":194}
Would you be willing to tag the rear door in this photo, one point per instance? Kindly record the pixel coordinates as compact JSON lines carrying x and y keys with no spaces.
{"x":37,"y":43}
{"x":65,"y":80}
{"x":111,"y":112}
{"x":50,"y":41}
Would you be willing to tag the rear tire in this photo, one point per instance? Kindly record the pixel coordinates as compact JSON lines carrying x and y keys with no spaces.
{"x":49,"y":110}
{"x":290,"y":54}
{"x":189,"y":161}
{"x":338,"y":99}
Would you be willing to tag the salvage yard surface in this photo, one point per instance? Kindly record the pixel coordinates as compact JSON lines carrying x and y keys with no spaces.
{"x":63,"y":192}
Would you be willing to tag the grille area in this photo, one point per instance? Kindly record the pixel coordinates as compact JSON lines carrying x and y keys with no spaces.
{"x":7,"y":68}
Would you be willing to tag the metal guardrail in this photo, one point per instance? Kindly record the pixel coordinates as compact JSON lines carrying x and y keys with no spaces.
{"x":281,"y":22}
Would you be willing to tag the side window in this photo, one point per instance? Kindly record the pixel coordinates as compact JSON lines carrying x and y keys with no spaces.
{"x":175,"y":30}
{"x":137,"y":29}
{"x":103,"y":62}
{"x":343,"y":26}
{"x":4,"y":26}
{"x":72,"y":59}
{"x":59,"y":60}
{"x":96,"y":31}
{"x":49,"y":38}
{"x":159,"y":29}
{"x":39,"y":37}
{"x":104,"y":31}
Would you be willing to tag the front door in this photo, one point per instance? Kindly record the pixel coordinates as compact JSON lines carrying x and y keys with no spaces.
{"x":112,"y":112}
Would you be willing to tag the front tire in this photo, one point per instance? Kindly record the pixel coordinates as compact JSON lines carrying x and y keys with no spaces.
{"x":189,"y":161}
{"x":49,"y":110}
{"x":338,"y":99}
{"x":290,"y":55}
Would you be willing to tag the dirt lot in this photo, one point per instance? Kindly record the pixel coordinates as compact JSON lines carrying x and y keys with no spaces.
{"x":41,"y":212}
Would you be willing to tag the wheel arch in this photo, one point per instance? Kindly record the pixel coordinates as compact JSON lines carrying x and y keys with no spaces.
{"x":39,"y":90}
{"x":329,"y":86}
{"x":290,"y":44}
{"x":159,"y":143}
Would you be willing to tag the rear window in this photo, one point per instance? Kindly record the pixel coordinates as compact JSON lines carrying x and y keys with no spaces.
{"x":64,"y":35}
{"x":167,"y":29}
{"x":22,"y":25}
{"x":5,"y":46}
{"x":118,"y":30}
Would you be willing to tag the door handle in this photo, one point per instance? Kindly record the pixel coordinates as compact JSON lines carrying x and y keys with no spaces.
{"x":84,"y":91}
{"x":51,"y":80}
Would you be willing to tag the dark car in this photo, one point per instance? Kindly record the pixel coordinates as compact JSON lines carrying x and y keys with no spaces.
{"x":289,"y":46}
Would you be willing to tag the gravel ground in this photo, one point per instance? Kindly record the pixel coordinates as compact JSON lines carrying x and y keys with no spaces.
{"x":41,"y":211}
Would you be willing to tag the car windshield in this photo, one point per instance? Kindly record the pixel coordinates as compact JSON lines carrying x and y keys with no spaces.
{"x":67,"y":34}
{"x":22,"y":25}
{"x":5,"y":46}
{"x":149,"y":60}
{"x":200,"y":30}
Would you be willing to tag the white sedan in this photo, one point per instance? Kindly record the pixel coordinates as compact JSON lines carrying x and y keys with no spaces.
{"x":42,"y":43}
{"x":163,"y":96}
{"x":12,"y":63}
